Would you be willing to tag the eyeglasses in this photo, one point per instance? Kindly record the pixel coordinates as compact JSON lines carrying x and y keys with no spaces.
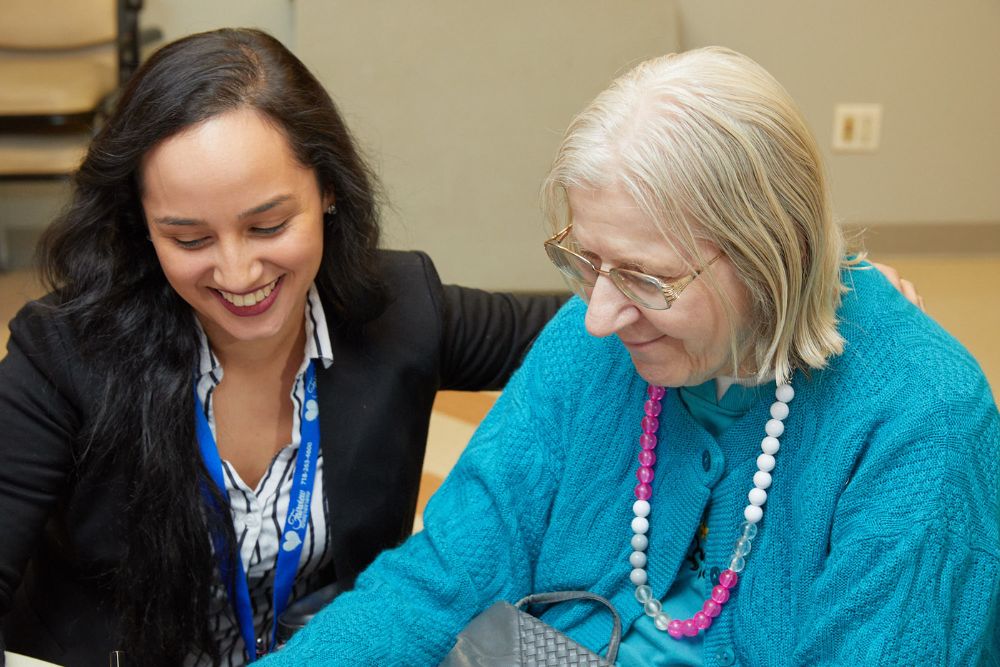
{"x":641,"y":288}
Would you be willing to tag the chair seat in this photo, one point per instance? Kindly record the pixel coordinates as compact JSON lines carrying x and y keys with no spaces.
{"x":37,"y":84}
{"x":42,"y":154}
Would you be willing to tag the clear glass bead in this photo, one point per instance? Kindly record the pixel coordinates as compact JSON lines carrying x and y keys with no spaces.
{"x":661,"y":621}
{"x":643,"y":593}
{"x":737,"y":563}
{"x":742,"y":547}
{"x":652,"y":607}
{"x":748,"y":530}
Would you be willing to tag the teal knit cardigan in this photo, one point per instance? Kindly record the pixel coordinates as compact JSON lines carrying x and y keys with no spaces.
{"x":879,"y":543}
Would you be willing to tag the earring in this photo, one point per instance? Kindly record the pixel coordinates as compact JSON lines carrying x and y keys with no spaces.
{"x":331,"y":209}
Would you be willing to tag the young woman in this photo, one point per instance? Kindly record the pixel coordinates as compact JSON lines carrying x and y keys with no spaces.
{"x":224,"y":403}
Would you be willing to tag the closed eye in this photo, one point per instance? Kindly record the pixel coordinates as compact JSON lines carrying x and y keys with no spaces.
{"x":191,"y":245}
{"x":269,"y":231}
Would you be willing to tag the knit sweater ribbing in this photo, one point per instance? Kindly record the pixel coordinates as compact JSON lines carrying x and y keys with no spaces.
{"x":880,"y":542}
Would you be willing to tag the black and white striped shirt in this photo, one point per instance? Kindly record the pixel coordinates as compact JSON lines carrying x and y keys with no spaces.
{"x":259,"y":514}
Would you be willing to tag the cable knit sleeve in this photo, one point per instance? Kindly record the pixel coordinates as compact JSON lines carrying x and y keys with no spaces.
{"x":913,"y":571}
{"x":482,"y":531}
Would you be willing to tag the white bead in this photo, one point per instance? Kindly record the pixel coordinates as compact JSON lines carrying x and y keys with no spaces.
{"x":774,"y":428}
{"x":753,"y":514}
{"x":641,"y":508}
{"x":662,"y":621}
{"x":770,"y":445}
{"x":638,"y":576}
{"x":640,"y":525}
{"x":640,"y":542}
{"x":637,"y":559}
{"x":761,"y":479}
{"x":643,"y":593}
{"x":779,"y":410}
{"x":765,"y":462}
{"x":757,"y":497}
{"x":652,"y":607}
{"x":784,"y":393}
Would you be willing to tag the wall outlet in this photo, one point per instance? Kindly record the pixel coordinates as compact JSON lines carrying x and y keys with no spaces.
{"x":857,"y":128}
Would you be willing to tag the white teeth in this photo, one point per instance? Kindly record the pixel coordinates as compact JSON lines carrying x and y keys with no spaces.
{"x":251,"y":299}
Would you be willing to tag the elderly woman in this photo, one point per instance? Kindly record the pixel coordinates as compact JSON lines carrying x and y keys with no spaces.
{"x":747,"y":441}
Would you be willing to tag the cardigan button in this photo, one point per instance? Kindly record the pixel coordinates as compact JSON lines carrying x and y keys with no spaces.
{"x":706,"y":460}
{"x":725,"y":656}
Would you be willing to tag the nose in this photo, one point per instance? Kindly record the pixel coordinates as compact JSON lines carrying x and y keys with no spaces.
{"x":608,"y":311}
{"x":237,"y":267}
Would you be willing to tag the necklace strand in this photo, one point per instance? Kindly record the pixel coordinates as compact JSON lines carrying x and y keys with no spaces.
{"x":752,"y":514}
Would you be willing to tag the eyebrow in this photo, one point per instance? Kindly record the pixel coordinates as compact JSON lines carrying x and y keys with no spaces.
{"x":250,"y":212}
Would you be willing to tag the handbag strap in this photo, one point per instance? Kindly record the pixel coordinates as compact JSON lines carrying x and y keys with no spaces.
{"x":563,"y":596}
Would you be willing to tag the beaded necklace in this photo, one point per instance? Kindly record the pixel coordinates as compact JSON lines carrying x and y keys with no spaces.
{"x":753,"y":513}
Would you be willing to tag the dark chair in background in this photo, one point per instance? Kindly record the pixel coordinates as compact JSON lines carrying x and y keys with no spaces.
{"x":61,"y":62}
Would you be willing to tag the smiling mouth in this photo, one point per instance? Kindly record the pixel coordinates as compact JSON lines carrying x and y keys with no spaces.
{"x":250,"y":298}
{"x":641,"y":344}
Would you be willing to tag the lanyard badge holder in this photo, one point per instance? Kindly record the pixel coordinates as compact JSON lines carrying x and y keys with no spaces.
{"x":296,"y":521}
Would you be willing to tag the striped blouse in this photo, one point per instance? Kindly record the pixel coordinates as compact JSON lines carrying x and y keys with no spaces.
{"x":259,"y":514}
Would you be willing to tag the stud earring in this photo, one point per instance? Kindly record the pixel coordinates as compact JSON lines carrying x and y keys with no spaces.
{"x":331,"y":209}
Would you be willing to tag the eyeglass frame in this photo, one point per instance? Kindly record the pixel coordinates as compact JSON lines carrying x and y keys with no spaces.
{"x":671,"y":291}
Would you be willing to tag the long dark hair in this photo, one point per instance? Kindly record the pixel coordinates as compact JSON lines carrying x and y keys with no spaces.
{"x":141,"y":334}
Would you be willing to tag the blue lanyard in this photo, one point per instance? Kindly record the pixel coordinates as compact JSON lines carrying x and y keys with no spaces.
{"x":296,"y":521}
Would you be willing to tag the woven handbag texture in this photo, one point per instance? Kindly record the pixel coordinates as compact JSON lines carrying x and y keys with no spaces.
{"x":544,"y":646}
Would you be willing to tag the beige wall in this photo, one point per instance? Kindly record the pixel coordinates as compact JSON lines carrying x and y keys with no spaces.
{"x":461,"y":103}
{"x":935,"y":66}
{"x":177,"y":18}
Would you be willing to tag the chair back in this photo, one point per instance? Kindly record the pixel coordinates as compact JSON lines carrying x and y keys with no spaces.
{"x":58,"y":25}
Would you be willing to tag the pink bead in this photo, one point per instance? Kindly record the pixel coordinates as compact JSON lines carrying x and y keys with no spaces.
{"x":690,"y":629}
{"x":728,"y":578}
{"x":711,"y":608}
{"x":652,"y":408}
{"x":655,"y":392}
{"x":643,"y":491}
{"x":675,"y":629}
{"x":647,"y":457}
{"x":720,"y":594}
{"x":644,"y":474}
{"x":702,"y":620}
{"x":650,"y":424}
{"x":648,"y":440}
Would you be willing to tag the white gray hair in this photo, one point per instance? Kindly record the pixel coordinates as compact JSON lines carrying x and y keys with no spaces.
{"x":713,"y":148}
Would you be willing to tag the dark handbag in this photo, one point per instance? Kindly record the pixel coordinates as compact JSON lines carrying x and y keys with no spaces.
{"x":301,"y":611}
{"x":506,"y":636}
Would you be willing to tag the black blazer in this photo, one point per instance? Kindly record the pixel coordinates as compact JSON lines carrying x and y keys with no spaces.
{"x":60,"y":537}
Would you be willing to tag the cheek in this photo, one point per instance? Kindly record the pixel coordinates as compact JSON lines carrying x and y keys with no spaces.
{"x":181,"y":270}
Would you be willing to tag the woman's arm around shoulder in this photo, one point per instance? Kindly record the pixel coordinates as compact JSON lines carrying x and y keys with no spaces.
{"x":485,"y":335}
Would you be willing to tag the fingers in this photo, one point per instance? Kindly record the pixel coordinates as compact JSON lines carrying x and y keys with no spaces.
{"x":905,"y":287}
{"x":891,"y":274}
{"x":910,"y":292}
